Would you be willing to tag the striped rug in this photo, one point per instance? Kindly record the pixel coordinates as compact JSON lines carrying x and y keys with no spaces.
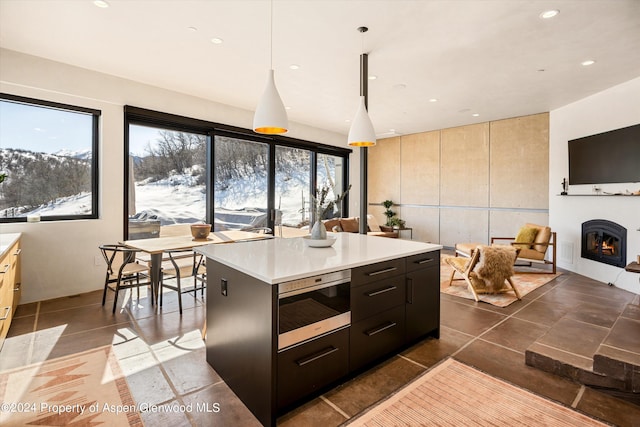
{"x":454,"y":394}
{"x":82,"y":389}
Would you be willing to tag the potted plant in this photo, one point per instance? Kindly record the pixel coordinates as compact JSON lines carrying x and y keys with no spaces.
{"x":392,"y":220}
{"x":322,"y":205}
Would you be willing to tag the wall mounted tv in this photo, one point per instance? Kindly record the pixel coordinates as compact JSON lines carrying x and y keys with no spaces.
{"x":609,"y":157}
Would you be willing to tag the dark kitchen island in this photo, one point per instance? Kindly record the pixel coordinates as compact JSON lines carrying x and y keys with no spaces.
{"x":285,"y":321}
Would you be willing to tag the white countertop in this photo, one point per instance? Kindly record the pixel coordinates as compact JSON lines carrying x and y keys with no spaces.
{"x":7,"y":240}
{"x":280,"y":260}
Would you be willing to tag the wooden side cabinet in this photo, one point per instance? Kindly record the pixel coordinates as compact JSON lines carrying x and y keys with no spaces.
{"x":10,"y":285}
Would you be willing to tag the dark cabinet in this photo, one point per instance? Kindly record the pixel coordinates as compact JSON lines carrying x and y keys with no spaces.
{"x":306,"y":368}
{"x":376,"y":337}
{"x":423,"y":296}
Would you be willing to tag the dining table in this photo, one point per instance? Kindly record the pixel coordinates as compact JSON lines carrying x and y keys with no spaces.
{"x":155,"y":247}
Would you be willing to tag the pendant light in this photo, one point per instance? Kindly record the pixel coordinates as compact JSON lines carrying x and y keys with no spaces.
{"x":361,"y":133}
{"x":270,"y":116}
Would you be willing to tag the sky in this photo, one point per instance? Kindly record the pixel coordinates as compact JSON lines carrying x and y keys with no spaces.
{"x":48,"y":130}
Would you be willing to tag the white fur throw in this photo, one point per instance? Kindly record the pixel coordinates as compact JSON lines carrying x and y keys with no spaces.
{"x":495,"y":266}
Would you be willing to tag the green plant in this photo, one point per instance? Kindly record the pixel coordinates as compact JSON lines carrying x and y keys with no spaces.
{"x":322,"y":205}
{"x":396,"y":222}
{"x":3,"y":176}
{"x":388,"y":212}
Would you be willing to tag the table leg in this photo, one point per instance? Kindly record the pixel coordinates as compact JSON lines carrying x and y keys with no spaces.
{"x":156,"y":265}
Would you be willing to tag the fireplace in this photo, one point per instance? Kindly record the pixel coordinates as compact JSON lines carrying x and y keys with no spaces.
{"x":604,"y":241}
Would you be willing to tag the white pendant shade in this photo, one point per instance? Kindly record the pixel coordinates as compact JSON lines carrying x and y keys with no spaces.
{"x":270,"y":117}
{"x":362,"y":133}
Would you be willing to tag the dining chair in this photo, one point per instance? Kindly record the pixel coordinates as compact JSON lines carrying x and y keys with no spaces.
{"x":123,"y":272}
{"x":180,"y":265}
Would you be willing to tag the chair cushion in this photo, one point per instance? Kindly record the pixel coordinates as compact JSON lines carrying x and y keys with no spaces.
{"x":543,"y":236}
{"x":530,"y":254}
{"x":525,"y":237}
{"x":349,"y":225}
{"x":458,"y":263}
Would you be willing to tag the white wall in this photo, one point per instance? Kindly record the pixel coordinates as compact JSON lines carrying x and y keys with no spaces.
{"x":611,"y":109}
{"x":59,"y":257}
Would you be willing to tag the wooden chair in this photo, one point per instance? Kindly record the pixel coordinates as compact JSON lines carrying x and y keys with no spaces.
{"x":123,"y":272}
{"x":532,"y":251}
{"x":181,"y":264}
{"x":488,"y":270}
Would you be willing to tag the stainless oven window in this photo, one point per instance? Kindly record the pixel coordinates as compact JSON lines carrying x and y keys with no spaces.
{"x":314,"y":306}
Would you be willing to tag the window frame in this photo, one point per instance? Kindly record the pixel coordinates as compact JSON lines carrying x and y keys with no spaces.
{"x":95,"y":140}
{"x":141,"y":116}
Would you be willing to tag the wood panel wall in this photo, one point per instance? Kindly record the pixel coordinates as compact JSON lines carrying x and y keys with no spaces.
{"x":466,"y":183}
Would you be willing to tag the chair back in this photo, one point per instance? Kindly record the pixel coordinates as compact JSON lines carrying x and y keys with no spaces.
{"x":495,"y":264}
{"x":117,"y":256}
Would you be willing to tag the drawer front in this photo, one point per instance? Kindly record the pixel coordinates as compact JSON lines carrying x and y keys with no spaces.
{"x":307,"y":368}
{"x":373,"y":298}
{"x":377,"y":271}
{"x":376,"y":337}
{"x":420,"y":261}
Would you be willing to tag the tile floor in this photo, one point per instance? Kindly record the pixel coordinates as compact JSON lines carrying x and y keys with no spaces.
{"x":163,"y":355}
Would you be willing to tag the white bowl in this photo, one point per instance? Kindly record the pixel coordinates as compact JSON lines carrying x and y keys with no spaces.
{"x":319,"y":243}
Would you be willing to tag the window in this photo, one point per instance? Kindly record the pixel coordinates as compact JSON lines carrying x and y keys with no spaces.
{"x":48,"y":158}
{"x":233,"y":178}
{"x":167,"y":181}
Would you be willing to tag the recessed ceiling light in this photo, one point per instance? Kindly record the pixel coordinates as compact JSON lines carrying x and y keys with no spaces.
{"x":194,"y":29}
{"x":347,"y":120}
{"x":400,"y":86}
{"x":548,"y":14}
{"x":475,"y":114}
{"x":392,"y":130}
{"x":287,"y":107}
{"x":294,"y":66}
{"x":101,"y":3}
{"x":433,"y":100}
{"x":587,"y":62}
{"x":372,"y":77}
{"x":216,"y":40}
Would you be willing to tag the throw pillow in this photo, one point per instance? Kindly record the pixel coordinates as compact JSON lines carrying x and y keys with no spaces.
{"x":525,"y":236}
{"x":372,"y":223}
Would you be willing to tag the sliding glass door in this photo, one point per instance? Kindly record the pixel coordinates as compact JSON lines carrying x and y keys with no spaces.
{"x":241,"y":184}
{"x":293,"y":175}
{"x":166,"y":182}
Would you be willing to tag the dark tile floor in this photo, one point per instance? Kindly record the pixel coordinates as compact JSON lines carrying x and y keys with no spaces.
{"x":163,"y":355}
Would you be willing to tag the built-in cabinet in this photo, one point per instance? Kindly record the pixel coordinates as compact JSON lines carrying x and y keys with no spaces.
{"x":10,"y":282}
{"x":393,"y":304}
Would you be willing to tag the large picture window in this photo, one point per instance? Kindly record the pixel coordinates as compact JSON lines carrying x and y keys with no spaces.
{"x":48,"y":158}
{"x":182,"y":171}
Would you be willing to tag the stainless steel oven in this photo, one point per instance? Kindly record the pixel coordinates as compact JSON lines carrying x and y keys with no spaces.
{"x":313,"y":306}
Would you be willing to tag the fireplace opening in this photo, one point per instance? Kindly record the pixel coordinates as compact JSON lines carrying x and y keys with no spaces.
{"x":604,"y":241}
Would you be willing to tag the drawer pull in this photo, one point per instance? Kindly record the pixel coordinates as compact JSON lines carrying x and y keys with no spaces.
{"x":381,"y":291}
{"x":6,"y":268}
{"x":18,"y":252}
{"x":425,"y":261}
{"x":6,"y":313}
{"x":319,"y":355}
{"x":372,"y":332}
{"x":386,"y":270}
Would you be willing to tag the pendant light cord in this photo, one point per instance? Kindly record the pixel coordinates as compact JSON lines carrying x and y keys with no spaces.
{"x":271,"y":35}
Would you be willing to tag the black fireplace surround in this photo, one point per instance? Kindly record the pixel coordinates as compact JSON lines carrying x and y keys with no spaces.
{"x":604,"y":241}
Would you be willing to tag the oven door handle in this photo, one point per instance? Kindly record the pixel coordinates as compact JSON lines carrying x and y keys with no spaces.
{"x":319,"y":355}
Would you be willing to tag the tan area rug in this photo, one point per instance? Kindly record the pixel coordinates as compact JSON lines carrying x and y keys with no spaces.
{"x":83,"y":389}
{"x":454,"y":394}
{"x":524,"y":282}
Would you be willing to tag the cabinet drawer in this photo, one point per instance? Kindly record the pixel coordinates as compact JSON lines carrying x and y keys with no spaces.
{"x":373,"y":298}
{"x":376,"y":336}
{"x":306,"y":368}
{"x":420,"y":261}
{"x":377,"y":271}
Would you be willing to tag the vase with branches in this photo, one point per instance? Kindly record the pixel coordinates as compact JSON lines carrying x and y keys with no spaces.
{"x":322,"y":204}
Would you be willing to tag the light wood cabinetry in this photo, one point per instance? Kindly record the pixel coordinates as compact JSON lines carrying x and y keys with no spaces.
{"x":10,"y":283}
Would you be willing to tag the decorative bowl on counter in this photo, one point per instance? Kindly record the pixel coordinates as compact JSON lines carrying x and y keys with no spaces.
{"x":200,"y":231}
{"x":319,"y":243}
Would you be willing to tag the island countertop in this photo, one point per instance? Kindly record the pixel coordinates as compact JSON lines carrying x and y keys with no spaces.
{"x":280,"y":260}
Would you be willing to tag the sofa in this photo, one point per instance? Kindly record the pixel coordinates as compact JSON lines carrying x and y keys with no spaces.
{"x":352,"y":225}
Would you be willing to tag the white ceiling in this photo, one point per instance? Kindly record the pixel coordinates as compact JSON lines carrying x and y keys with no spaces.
{"x":496,"y":58}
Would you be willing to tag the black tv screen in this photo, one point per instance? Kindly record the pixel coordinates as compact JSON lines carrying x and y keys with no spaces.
{"x":607,"y":157}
